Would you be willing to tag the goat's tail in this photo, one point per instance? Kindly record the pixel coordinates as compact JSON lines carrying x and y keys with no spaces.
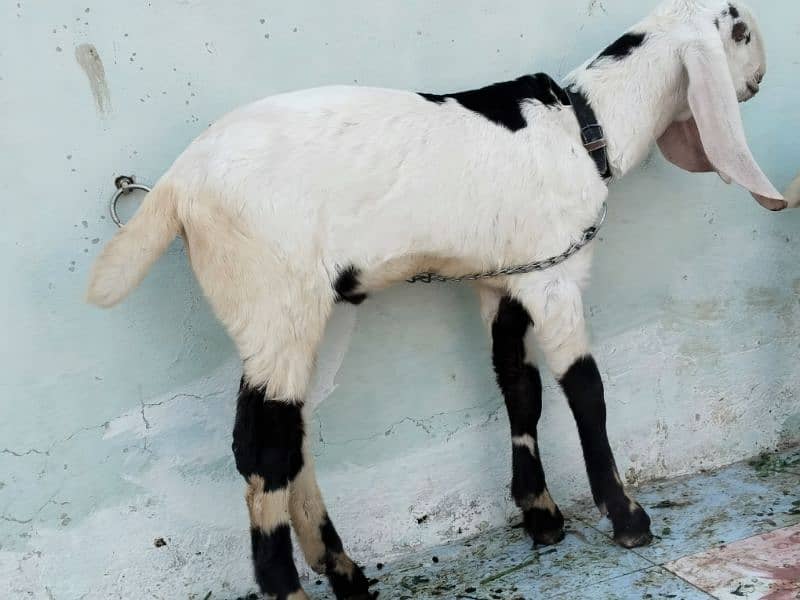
{"x":129,"y":255}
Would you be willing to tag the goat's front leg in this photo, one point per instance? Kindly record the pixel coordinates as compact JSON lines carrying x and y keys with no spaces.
{"x":584,"y":390}
{"x":560,"y":329}
{"x":521,"y":386}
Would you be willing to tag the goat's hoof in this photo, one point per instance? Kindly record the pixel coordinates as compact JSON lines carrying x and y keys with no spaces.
{"x":544,"y":527}
{"x":354,"y":587}
{"x":634,"y":531}
{"x":548,"y":538}
{"x":633,"y":540}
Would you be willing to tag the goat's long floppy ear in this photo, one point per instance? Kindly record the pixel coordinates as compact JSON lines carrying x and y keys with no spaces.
{"x":714,"y":140}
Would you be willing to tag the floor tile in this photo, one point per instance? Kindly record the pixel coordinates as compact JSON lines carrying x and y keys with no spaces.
{"x":695,"y":513}
{"x":654,"y":583}
{"x":766,"y":566}
{"x":692,"y":517}
{"x":503,"y":564}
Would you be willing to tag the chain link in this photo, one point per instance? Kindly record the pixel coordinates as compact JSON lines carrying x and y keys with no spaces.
{"x":540,"y":265}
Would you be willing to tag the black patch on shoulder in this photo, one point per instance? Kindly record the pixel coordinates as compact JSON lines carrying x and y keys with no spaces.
{"x":622,"y":47}
{"x":501,"y":103}
{"x":346,"y":285}
{"x":267,"y":438}
{"x":734,"y":12}
{"x":272,"y":561}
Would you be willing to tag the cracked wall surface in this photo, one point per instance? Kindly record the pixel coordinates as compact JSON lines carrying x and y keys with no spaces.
{"x":115,"y":426}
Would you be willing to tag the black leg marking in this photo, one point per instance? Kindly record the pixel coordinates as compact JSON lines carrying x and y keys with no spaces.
{"x":346,"y":285}
{"x":267,"y":446}
{"x":621,"y":47}
{"x":501,"y":103}
{"x":272,"y":558}
{"x":583,"y":387}
{"x":521,"y":386}
{"x":346,"y":578}
{"x":267,"y":438}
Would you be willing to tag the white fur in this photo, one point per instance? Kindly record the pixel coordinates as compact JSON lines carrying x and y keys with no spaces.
{"x":276,"y":197}
{"x":525,"y":441}
{"x":267,"y":509}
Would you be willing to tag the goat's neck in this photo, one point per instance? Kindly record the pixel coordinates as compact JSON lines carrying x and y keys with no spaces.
{"x":635,"y":99}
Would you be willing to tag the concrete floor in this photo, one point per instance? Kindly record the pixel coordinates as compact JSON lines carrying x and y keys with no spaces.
{"x":732,"y":533}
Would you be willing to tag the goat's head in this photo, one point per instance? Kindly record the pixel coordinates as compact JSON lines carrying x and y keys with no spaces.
{"x":723,"y":54}
{"x":744,"y":47}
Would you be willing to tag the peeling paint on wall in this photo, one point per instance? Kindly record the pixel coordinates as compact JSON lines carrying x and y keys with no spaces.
{"x":91,"y":63}
{"x":594,"y":6}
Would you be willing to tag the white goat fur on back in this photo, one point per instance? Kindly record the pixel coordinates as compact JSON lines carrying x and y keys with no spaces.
{"x":276,"y":198}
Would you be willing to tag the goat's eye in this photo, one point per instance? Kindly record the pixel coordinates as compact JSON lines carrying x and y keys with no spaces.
{"x":740,"y":33}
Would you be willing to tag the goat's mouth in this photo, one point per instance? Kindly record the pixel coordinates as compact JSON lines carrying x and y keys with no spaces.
{"x":749,"y":94}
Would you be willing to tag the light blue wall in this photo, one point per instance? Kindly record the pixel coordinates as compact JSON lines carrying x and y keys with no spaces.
{"x":114,"y":426}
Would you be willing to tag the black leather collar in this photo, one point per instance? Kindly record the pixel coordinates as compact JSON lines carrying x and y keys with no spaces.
{"x":592,"y":134}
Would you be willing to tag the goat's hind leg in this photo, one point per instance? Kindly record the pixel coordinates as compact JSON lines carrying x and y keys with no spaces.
{"x":272,"y":453}
{"x":267,"y":444}
{"x":318,"y":538}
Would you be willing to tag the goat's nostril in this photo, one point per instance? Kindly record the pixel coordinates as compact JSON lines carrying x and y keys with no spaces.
{"x":759,"y":77}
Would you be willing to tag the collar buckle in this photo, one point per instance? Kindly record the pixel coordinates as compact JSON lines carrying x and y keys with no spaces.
{"x":593,"y":137}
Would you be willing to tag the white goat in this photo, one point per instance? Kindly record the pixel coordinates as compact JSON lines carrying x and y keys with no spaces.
{"x":304,"y":199}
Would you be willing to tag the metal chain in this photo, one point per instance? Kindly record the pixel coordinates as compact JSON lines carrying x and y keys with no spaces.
{"x":540,"y":265}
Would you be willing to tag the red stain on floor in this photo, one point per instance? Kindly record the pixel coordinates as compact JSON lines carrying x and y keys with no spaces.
{"x":763,"y":567}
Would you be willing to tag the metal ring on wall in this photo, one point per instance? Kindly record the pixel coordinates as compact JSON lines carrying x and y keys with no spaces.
{"x":125,"y":185}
